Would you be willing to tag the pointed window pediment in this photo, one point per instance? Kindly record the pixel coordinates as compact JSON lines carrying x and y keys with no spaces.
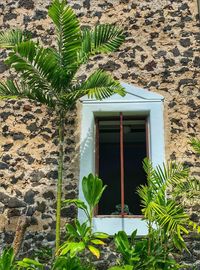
{"x":133,"y":94}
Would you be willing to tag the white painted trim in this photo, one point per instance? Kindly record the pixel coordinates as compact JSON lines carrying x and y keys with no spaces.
{"x":141,"y":105}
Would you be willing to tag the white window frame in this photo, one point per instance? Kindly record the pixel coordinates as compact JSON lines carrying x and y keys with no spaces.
{"x":136,"y":102}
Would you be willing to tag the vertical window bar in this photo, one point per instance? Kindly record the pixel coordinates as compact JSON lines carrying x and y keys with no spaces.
{"x":122,"y":163}
{"x":96,"y":156}
{"x":97,"y":147}
{"x":147,"y":137}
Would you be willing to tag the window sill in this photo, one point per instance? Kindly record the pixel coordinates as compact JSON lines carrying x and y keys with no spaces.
{"x":118,"y":216}
{"x":112,"y":224}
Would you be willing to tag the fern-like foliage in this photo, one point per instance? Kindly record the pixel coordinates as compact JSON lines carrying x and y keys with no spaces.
{"x":99,"y":85}
{"x":9,"y":39}
{"x":48,"y":75}
{"x":195,"y":143}
{"x":160,"y":210}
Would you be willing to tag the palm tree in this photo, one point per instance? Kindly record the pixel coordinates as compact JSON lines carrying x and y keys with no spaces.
{"x":161,"y":211}
{"x":48,"y":75}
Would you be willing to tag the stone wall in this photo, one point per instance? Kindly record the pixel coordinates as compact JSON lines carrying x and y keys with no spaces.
{"x":161,"y":53}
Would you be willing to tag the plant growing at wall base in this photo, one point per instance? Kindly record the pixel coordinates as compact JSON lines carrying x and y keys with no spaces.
{"x":48,"y":75}
{"x":166,"y":220}
{"x":80,"y":237}
{"x":7,"y":259}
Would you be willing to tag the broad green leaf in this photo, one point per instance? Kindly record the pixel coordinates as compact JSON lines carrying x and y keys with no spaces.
{"x":92,"y":188}
{"x":97,"y":242}
{"x":72,"y":248}
{"x":94,"y":251}
{"x":100,"y":235}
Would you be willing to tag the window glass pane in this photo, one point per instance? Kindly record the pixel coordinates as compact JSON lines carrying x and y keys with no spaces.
{"x":109,"y":164}
{"x":134,"y":153}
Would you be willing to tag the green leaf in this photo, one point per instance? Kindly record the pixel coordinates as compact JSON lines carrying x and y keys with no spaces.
{"x":8,"y":39}
{"x":125,"y":267}
{"x":7,"y":259}
{"x":94,"y":251}
{"x":93,"y":189}
{"x":68,"y":33}
{"x":104,"y":38}
{"x":195,"y":143}
{"x":100,"y":235}
{"x":72,"y":248}
{"x":97,"y":242}
{"x":99,"y":85}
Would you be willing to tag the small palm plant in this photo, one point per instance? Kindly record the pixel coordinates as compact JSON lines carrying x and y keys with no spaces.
{"x":161,"y":211}
{"x":48,"y":75}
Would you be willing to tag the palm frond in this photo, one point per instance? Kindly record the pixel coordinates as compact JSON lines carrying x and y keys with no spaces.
{"x":99,"y":85}
{"x":11,"y":38}
{"x":195,"y":143}
{"x":12,"y":90}
{"x":68,"y":33}
{"x":37,"y":66}
{"x":103,"y":39}
{"x":171,"y":173}
{"x":9,"y":89}
{"x":189,"y":188}
{"x":171,"y":217}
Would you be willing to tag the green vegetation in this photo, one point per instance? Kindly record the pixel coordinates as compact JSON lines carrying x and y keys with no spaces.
{"x":166,"y":220}
{"x":49,"y":75}
{"x":80,"y":237}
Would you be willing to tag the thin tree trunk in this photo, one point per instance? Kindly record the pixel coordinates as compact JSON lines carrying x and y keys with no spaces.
{"x":60,"y":177}
{"x":22,"y":225}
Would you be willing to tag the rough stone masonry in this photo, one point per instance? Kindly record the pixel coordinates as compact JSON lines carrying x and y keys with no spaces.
{"x":161,"y":53}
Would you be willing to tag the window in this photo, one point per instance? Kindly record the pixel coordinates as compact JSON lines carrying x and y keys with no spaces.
{"x":121,"y":146}
{"x":117,"y":133}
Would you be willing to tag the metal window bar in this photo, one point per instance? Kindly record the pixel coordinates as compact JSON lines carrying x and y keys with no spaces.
{"x":122,"y":163}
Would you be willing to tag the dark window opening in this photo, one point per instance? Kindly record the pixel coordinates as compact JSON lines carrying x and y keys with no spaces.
{"x":114,"y":155}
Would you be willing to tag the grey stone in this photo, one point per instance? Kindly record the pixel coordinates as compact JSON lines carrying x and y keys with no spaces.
{"x":18,"y":136}
{"x":40,"y":14}
{"x":52,"y":174}
{"x":29,"y":158}
{"x":11,"y":202}
{"x":36,"y":176}
{"x":49,"y":195}
{"x":185,"y":42}
{"x":6,"y":158}
{"x":86,"y":4}
{"x":69,"y":212}
{"x":34,"y":221}
{"x":9,"y":16}
{"x":30,"y":211}
{"x":3,"y":67}
{"x":51,"y":236}
{"x":32,"y":127}
{"x":29,"y":197}
{"x":3,"y":166}
{"x":110,"y":66}
{"x":4,"y":115}
{"x":13,"y":213}
{"x":150,"y":66}
{"x":41,"y":207}
{"x":27,"y":4}
{"x":197,"y":61}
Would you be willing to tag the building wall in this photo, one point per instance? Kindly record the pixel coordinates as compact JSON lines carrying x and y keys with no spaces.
{"x":161,"y":53}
